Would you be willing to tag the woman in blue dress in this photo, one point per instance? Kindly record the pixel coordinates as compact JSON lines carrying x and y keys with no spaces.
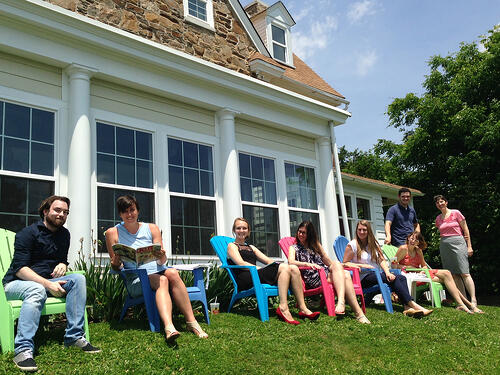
{"x":165,"y":281}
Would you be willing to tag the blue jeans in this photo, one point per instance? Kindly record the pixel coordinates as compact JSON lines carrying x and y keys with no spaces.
{"x":398,"y":285}
{"x":34,"y":295}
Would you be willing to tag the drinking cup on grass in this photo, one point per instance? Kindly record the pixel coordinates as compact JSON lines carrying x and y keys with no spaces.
{"x":214,"y":308}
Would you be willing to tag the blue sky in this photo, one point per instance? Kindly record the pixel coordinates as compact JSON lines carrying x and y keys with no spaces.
{"x":373,"y":51}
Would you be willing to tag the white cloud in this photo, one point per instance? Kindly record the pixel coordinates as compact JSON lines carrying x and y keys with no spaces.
{"x":317,"y":37}
{"x":361,"y":9}
{"x":303,"y":13}
{"x":365,"y":61}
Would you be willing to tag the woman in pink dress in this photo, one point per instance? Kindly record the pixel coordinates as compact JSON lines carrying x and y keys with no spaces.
{"x":455,"y":246}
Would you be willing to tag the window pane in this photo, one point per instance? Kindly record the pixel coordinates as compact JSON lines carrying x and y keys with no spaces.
{"x":125,"y":171}
{"x":207,"y":213}
{"x":105,"y":138}
{"x":257,"y":168}
{"x":244,"y":165}
{"x":17,"y":121}
{"x":270,"y":193}
{"x":205,"y":236}
{"x":1,"y":120}
{"x":174,"y":151}
{"x":42,"y":126}
{"x":246,"y":189}
{"x":192,"y":241}
{"x":105,"y":168}
{"x":144,"y":174}
{"x":207,"y":183}
{"x":192,"y":180}
{"x":310,"y":179}
{"x":16,"y":155}
{"x":176,"y":179}
{"x":125,"y":142}
{"x":13,"y":194}
{"x":297,"y":217}
{"x":206,"y":161}
{"x":278,"y":34}
{"x":13,"y":223}
{"x":269,"y":170}
{"x":144,"y":145}
{"x":191,"y":213}
{"x":190,"y":152}
{"x":279,"y":52}
{"x":106,"y":210}
{"x":300,"y":187}
{"x":37,"y":192}
{"x":257,"y":191}
{"x":264,"y":224}
{"x":42,"y":159}
{"x":363,"y":206}
{"x":176,"y":211}
{"x":177,"y":240}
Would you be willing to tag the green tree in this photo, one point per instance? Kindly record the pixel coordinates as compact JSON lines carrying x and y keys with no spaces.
{"x":451,"y":146}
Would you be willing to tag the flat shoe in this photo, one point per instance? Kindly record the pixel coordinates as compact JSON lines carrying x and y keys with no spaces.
{"x":340,"y":308}
{"x":196,"y":329}
{"x":464,"y":309}
{"x":363,"y":319}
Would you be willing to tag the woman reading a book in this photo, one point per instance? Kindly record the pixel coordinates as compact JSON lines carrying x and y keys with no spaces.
{"x":308,"y":252}
{"x":411,"y":255}
{"x":165,"y":281}
{"x":282,"y":275}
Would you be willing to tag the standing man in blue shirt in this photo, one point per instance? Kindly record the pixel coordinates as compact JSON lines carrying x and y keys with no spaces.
{"x":401,"y":220}
{"x":38,"y":270}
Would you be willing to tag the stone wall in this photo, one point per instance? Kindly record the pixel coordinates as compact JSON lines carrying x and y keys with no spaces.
{"x":162,"y":21}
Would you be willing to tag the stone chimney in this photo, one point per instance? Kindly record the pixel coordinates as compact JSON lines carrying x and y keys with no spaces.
{"x":255,"y":7}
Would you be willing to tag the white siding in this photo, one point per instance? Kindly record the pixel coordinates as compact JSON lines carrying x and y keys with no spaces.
{"x":27,"y":75}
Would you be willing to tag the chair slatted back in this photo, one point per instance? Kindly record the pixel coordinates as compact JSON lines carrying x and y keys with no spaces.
{"x":285,"y":244}
{"x":220,"y":244}
{"x":6,"y":250}
{"x":339,"y":246}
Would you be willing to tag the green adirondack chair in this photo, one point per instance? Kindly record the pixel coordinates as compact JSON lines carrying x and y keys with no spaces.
{"x":9,"y":310}
{"x":416,"y":290}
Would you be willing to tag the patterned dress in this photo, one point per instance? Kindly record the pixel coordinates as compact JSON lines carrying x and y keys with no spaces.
{"x":311,"y":277}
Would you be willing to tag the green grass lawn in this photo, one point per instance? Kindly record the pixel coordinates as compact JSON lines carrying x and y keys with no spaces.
{"x":446,"y":342}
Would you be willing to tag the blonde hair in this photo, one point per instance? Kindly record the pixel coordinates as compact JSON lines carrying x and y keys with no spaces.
{"x":372,"y":246}
{"x":241,"y":219}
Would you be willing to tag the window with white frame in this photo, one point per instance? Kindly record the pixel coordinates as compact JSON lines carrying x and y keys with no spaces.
{"x":357,"y":208}
{"x":301,"y":196}
{"x":199,"y":12}
{"x":26,"y":163}
{"x":124,"y":166}
{"x":258,"y":194}
{"x":278,"y":36}
{"x":192,"y":198}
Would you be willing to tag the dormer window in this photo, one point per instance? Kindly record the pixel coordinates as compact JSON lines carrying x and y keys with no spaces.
{"x":199,"y":12}
{"x":279,"y":43}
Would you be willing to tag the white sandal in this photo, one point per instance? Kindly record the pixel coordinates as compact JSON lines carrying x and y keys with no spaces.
{"x":196,"y":329}
{"x":171,"y":334}
{"x":363,"y":319}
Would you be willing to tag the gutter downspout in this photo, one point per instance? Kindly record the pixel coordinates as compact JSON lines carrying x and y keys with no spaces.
{"x":339,"y":182}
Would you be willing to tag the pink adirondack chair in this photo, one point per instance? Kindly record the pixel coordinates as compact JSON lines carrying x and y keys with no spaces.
{"x":326,"y":289}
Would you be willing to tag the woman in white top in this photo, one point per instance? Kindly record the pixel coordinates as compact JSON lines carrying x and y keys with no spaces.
{"x":364,"y":251}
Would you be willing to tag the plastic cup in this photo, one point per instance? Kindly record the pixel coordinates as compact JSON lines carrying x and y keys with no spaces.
{"x":214,"y":308}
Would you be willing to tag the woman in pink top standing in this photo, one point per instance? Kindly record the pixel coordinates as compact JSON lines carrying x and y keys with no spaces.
{"x":455,"y":246}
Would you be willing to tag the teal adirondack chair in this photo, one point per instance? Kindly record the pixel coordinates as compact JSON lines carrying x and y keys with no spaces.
{"x":261,"y":291}
{"x":416,"y":289}
{"x":9,"y":310}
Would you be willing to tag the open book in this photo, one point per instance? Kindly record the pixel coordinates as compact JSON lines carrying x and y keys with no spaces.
{"x":141,"y":255}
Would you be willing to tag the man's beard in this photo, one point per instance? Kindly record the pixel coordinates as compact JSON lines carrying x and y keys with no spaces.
{"x":55,"y":222}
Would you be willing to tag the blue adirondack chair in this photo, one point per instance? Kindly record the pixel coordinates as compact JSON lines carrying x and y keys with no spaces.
{"x":339,"y":246}
{"x":261,"y":291}
{"x":195,"y":292}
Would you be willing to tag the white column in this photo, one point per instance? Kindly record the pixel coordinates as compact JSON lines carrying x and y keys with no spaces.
{"x":330,"y":224}
{"x":338,"y":173}
{"x":231,"y":197}
{"x":79,"y":159}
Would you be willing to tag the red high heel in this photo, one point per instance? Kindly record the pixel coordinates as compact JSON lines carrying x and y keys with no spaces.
{"x":282,"y":317}
{"x":313,"y":316}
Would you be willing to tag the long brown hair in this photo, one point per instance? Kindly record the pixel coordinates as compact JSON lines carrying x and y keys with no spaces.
{"x":372,"y":246}
{"x":311,"y":236}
